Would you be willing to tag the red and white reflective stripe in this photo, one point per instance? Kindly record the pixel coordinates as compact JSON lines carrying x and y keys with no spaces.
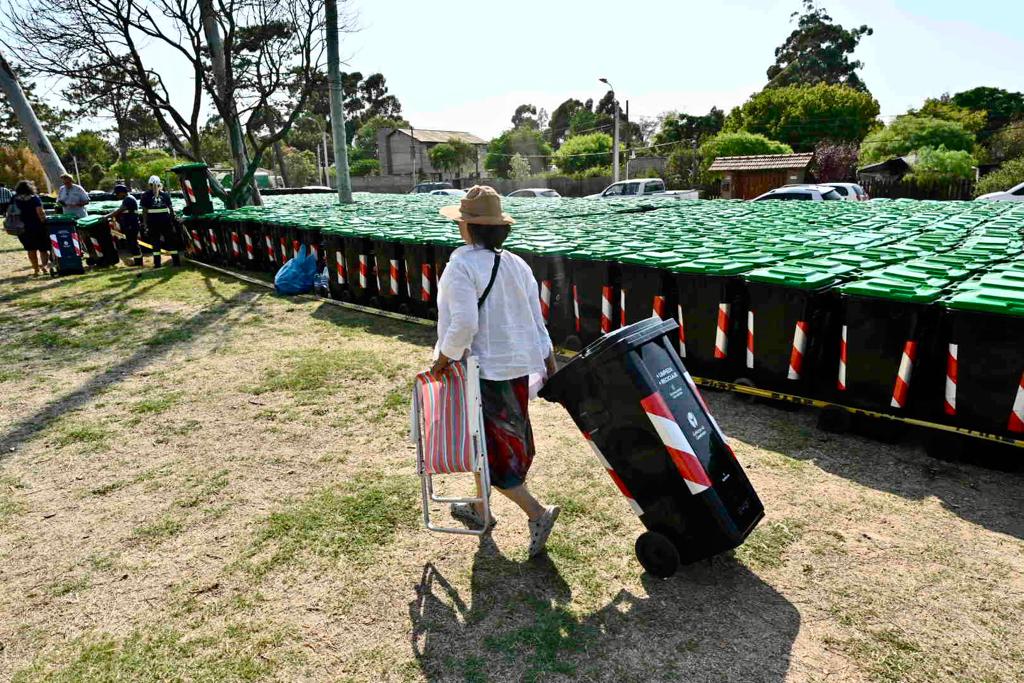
{"x":235,"y":247}
{"x":363,"y":271}
{"x":682,"y":334}
{"x":545,"y":299}
{"x":614,"y":475}
{"x":676,"y":443}
{"x":796,"y":356}
{"x":213,"y":239}
{"x":76,"y":244}
{"x":949,"y":405}
{"x":248,"y":247}
{"x":55,"y":245}
{"x":96,"y":246}
{"x":606,"y":310}
{"x":622,"y":308}
{"x":426,"y":282}
{"x":190,"y":194}
{"x":842,"y":362}
{"x":314,"y":251}
{"x":296,"y":244}
{"x":339,"y":261}
{"x":750,"y":339}
{"x":1017,"y":413}
{"x":902,"y":386}
{"x":394,"y":277}
{"x":722,"y":333}
{"x":658,"y":309}
{"x":270,"y":248}
{"x":196,"y":242}
{"x":576,"y":307}
{"x":284,"y":249}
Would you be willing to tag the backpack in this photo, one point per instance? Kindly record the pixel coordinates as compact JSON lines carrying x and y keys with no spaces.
{"x":13,"y":224}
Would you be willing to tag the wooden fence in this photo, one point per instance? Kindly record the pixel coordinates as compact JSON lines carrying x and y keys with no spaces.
{"x":909,"y":189}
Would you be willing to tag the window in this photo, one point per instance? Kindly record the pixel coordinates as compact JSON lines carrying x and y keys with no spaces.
{"x":650,"y":188}
{"x":840,"y":189}
{"x":631,"y":188}
{"x":614,"y":190}
{"x":520,"y":193}
{"x":549,"y":193}
{"x":1019,"y":192}
{"x":831,"y":196}
{"x":788,"y":196}
{"x":860,"y":191}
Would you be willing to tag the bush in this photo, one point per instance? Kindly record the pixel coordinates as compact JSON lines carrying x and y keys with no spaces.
{"x":19,"y":163}
{"x":937,"y":165}
{"x":740,"y":143}
{"x":526,"y":141}
{"x":909,"y":133}
{"x":583,"y":152}
{"x":140,"y":164}
{"x":364,"y":167}
{"x":1011,"y":173}
{"x":836,"y":162}
{"x":1008,"y":143}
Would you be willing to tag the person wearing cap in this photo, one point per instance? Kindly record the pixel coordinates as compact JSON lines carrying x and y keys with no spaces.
{"x":72,"y":197}
{"x":489,"y":307}
{"x":127,"y":217}
{"x":158,"y":223}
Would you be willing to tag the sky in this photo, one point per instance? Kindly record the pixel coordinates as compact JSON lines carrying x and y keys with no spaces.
{"x":467,"y":64}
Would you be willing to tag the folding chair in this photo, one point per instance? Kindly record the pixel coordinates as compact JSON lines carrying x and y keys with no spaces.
{"x":448,"y":429}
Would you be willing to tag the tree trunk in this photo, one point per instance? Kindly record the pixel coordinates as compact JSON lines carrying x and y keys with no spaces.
{"x":279,"y":157}
{"x":337,"y":111}
{"x":34,"y":133}
{"x":229,"y":113}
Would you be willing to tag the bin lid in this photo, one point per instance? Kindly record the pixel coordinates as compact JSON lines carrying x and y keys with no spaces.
{"x":807,"y":275}
{"x":712,"y":266}
{"x":882,"y":287}
{"x":987,"y":297}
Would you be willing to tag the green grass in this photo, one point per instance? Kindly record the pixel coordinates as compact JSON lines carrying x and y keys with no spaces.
{"x":201,"y":487}
{"x":157,"y":531}
{"x":89,"y":437}
{"x":765,"y":548}
{"x":171,"y":336}
{"x":354,"y":524}
{"x":104,"y":489}
{"x":553,"y":631}
{"x":8,"y":505}
{"x":153,"y":656}
{"x":891,"y":657}
{"x":156,"y":404}
{"x":59,"y":589}
{"x":313,"y":370}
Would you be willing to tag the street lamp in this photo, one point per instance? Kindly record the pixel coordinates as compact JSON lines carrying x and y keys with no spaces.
{"x":615,"y":140}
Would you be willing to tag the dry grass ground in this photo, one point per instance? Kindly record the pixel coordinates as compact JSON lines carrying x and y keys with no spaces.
{"x":202,"y":482}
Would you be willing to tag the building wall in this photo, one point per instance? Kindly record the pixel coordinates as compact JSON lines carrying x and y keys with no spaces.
{"x":395,"y":151}
{"x":750,"y":184}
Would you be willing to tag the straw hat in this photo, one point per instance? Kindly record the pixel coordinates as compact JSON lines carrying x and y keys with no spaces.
{"x":480,"y":206}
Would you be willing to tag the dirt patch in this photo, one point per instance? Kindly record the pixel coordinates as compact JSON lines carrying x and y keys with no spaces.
{"x":201,"y":481}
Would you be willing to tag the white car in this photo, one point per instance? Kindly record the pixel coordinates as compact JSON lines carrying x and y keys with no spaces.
{"x":1014,"y":194}
{"x":851,"y":192}
{"x":535,"y":192}
{"x":449,"y":192}
{"x":642,"y":187}
{"x":813,"y":193}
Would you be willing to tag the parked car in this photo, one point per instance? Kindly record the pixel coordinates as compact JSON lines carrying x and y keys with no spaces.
{"x":814,"y":193}
{"x":450,"y":192}
{"x":850,"y":191}
{"x":642,"y":187}
{"x":1014,"y":194}
{"x":424,"y":188}
{"x":535,"y":192}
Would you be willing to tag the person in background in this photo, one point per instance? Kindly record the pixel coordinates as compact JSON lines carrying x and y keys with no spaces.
{"x":158,"y":222}
{"x":34,"y":239}
{"x":127,"y":217}
{"x":5,"y":197}
{"x":72,"y":197}
{"x":488,"y":307}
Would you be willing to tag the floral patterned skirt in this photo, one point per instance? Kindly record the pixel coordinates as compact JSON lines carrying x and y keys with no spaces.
{"x":509,"y":435}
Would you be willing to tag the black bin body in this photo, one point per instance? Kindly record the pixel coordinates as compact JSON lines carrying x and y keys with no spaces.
{"x":703,"y":300}
{"x":362,"y":269}
{"x":442,"y":253}
{"x":392,"y":283}
{"x":213,"y":241}
{"x":645,"y":291}
{"x":253,"y":252}
{"x":777,"y":314}
{"x":633,"y":399}
{"x":555,"y":291}
{"x":421,"y":279}
{"x":337,"y":270}
{"x":99,"y":243}
{"x":65,"y":246}
{"x":233,"y":237}
{"x":196,"y":246}
{"x":595,"y":292}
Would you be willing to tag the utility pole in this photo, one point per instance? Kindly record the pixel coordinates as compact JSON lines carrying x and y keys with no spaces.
{"x":327,"y":164}
{"x":615,"y":139}
{"x":337,"y":111}
{"x":30,"y":127}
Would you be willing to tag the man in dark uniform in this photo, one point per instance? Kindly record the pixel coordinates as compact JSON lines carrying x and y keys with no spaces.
{"x":159,"y":224}
{"x":127,"y":216}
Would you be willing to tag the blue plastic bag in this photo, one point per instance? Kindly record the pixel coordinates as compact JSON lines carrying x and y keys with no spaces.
{"x":296,"y":275}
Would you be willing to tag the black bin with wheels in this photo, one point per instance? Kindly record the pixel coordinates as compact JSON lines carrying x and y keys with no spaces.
{"x":95,"y":231}
{"x":636,"y":404}
{"x":65,"y":246}
{"x":594,"y":277}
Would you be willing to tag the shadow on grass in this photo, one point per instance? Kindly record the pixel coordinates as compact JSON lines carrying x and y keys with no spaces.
{"x":421,"y":335}
{"x":992,"y":499}
{"x":714,"y":616}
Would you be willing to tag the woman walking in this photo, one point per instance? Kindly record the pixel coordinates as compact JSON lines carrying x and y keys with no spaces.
{"x":488,"y":307}
{"x":33,"y":236}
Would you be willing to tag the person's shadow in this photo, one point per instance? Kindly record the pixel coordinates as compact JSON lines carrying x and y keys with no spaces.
{"x":715,"y":620}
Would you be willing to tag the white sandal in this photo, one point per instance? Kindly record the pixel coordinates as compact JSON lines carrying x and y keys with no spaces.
{"x":540,"y":529}
{"x":466,"y":513}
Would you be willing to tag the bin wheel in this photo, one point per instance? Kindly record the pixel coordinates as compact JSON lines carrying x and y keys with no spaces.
{"x":745,"y":382}
{"x":345,"y":296}
{"x":657,"y":554}
{"x":374,"y":302}
{"x":405,"y":309}
{"x":573,"y":343}
{"x":834,"y":419}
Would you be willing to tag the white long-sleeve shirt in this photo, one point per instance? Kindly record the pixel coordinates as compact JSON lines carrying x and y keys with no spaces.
{"x":507,"y":334}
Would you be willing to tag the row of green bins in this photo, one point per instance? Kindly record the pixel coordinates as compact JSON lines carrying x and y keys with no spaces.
{"x":547,"y":260}
{"x":791,"y":326}
{"x":646,"y":288}
{"x":361,"y":266}
{"x":99,"y":243}
{"x":984,"y":369}
{"x":392,"y":281}
{"x":420,"y":278}
{"x":594,"y":284}
{"x":334,"y":255}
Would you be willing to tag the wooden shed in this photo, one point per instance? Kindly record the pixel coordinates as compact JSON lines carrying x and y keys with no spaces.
{"x":747,"y":177}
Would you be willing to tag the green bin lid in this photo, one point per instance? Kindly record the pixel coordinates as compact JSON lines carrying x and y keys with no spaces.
{"x":794,"y":276}
{"x":880,"y":287}
{"x":988,"y":298}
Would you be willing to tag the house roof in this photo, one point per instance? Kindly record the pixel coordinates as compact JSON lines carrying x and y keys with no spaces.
{"x":762,"y":162}
{"x":430,"y":136}
{"x":895,"y":165}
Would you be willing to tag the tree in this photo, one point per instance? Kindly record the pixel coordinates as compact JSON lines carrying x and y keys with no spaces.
{"x":802,"y":116}
{"x":53,"y":121}
{"x":1000,"y":106}
{"x":525,"y":115}
{"x":364,"y":167}
{"x":1007,"y":143}
{"x":908,"y":134}
{"x":519,"y":167}
{"x":365,"y":140}
{"x":740,"y":143}
{"x":301,"y":165}
{"x":944,"y":108}
{"x":1011,"y":174}
{"x":84,"y":149}
{"x":836,"y":161}
{"x":140,"y":164}
{"x":561,"y":118}
{"x":525,"y":141}
{"x":817,"y":51}
{"x":249,"y":57}
{"x":674,"y":127}
{"x":942,"y":165}
{"x":29,"y":124}
{"x":20,"y":163}
{"x":452,"y":156}
{"x":581,"y":152}
{"x":585,"y":121}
